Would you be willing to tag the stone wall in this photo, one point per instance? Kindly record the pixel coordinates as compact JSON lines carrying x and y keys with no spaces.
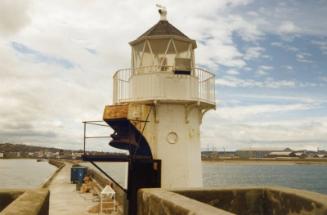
{"x":268,"y":200}
{"x":162,"y":202}
{"x":59,"y":165}
{"x":31,"y":202}
{"x":241,"y":201}
{"x":7,"y":196}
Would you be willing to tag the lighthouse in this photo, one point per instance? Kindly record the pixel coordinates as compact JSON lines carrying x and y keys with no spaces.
{"x":159,"y":103}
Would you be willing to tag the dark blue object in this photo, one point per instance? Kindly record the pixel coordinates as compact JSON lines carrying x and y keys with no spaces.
{"x":77,"y":174}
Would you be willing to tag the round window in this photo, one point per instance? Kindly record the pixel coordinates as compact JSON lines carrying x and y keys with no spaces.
{"x":172,"y":137}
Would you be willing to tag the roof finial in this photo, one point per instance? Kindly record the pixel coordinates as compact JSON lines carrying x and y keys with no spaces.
{"x":163,"y":12}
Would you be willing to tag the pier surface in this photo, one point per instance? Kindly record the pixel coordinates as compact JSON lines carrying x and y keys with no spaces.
{"x":64,"y":199}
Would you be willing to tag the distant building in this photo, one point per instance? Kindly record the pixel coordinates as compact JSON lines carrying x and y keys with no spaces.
{"x":1,"y":155}
{"x":11,"y":154}
{"x":61,"y":152}
{"x":209,"y":155}
{"x":50,"y":154}
{"x":76,"y":155}
{"x":255,"y":152}
{"x":311,"y":154}
{"x":281,"y":154}
{"x":300,"y":154}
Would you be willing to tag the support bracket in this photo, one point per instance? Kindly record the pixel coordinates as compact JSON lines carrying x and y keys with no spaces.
{"x":188,"y":108}
{"x":155,"y":112}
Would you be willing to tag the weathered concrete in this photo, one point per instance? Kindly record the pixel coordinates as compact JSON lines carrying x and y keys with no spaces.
{"x":162,"y":202}
{"x":7,"y":196}
{"x":59,"y":165}
{"x":64,"y":200}
{"x":32,"y":202}
{"x":241,"y":201}
{"x":267,"y":200}
{"x":64,"y":197}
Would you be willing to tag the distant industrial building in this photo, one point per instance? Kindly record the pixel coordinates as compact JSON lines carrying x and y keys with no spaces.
{"x":253,"y":152}
{"x":281,"y":154}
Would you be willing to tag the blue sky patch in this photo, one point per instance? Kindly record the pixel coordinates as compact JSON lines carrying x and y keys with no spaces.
{"x":41,"y":57}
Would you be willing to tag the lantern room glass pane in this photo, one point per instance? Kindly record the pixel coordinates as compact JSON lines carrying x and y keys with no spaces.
{"x":171,"y":54}
{"x":183,"y":49}
{"x":138,"y":50}
{"x":159,"y":46}
{"x":147,"y":59}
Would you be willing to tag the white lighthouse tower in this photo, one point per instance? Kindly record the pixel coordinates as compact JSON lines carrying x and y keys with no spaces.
{"x":164,"y":95}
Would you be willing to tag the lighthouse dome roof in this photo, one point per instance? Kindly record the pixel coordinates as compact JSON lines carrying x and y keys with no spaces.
{"x":163,"y":29}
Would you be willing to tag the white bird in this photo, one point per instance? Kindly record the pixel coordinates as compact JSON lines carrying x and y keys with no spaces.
{"x":162,"y":11}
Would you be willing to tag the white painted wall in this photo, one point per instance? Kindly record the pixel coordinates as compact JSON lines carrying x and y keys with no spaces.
{"x":169,"y":96}
{"x":163,"y":85}
{"x":181,"y":161}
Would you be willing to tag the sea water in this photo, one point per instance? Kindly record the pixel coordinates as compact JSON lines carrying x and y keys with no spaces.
{"x":312,"y":177}
{"x":24,"y":173}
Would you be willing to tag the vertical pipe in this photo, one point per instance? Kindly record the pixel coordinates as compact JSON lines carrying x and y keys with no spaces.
{"x":84,"y":141}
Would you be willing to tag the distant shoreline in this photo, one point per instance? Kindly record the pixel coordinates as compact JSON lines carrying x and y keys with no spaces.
{"x":269,"y":161}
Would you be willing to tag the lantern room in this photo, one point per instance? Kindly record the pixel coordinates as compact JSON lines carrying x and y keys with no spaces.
{"x":163,"y":48}
{"x":163,"y":69}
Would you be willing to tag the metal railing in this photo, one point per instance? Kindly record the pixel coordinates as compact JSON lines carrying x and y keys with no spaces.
{"x":122,"y":91}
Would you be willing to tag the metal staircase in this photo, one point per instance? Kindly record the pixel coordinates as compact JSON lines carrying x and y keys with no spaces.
{"x":143,"y":170}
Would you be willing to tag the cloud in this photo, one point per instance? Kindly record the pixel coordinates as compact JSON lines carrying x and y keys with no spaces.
{"x":285,"y":46}
{"x":41,"y":57}
{"x":58,"y":58}
{"x":229,"y":81}
{"x":263,"y":70}
{"x":253,"y":53}
{"x":13,"y":15}
{"x":322,"y":46}
{"x":303,"y":57}
{"x":237,"y":125}
{"x":240,"y":113}
{"x":296,"y":134}
{"x":288,"y":27}
{"x":288,"y":67}
{"x":323,"y":78}
{"x":232,"y":72}
{"x":288,"y":19}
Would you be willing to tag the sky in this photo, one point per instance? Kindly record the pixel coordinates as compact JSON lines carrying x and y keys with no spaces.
{"x":57,"y":59}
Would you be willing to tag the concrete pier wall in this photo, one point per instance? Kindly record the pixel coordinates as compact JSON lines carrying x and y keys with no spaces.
{"x":163,"y":202}
{"x":59,"y":165}
{"x":7,"y":196}
{"x":31,"y":202}
{"x":28,"y":202}
{"x":241,"y":201}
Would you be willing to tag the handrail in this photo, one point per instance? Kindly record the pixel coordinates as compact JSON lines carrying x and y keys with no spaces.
{"x":123,"y":91}
{"x":155,"y":69}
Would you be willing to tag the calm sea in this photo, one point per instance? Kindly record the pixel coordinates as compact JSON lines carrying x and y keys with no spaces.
{"x":218,"y":174}
{"x":23,"y":173}
{"x":311,"y":177}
